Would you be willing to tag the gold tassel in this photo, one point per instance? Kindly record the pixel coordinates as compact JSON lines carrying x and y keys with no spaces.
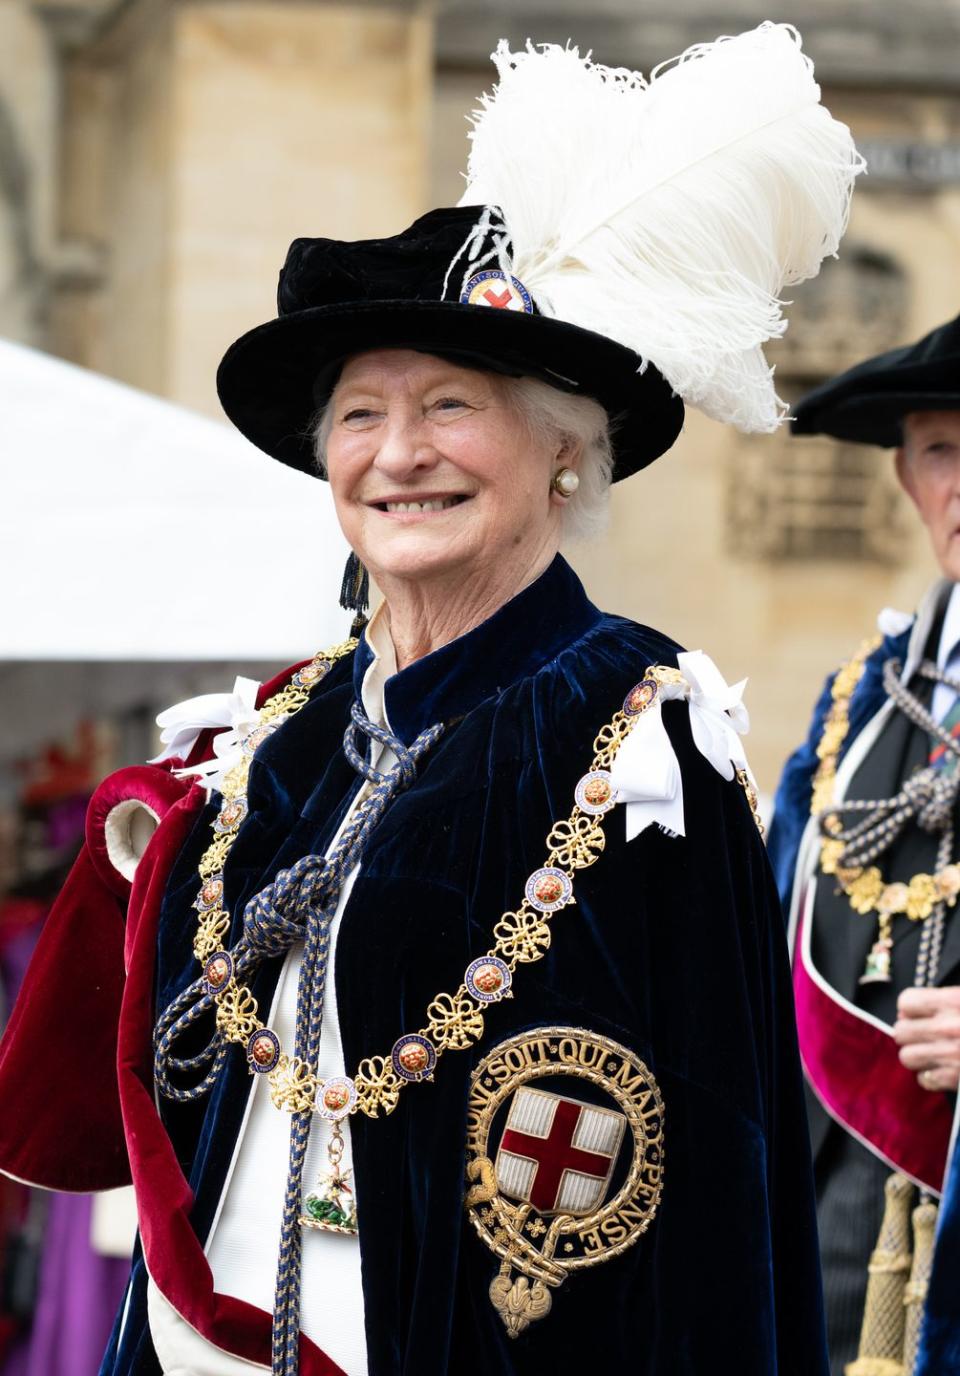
{"x":884,"y":1314}
{"x":915,"y":1295}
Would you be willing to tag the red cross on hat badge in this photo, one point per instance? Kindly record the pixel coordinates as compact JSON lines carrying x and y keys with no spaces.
{"x":497,"y":289}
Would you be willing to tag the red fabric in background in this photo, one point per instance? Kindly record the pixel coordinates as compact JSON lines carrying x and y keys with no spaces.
{"x":855,"y":1070}
{"x":58,"y":1055}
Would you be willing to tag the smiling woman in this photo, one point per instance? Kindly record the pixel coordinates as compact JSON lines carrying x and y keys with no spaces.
{"x":553,"y":416}
{"x":326,"y":961}
{"x":449,"y":483}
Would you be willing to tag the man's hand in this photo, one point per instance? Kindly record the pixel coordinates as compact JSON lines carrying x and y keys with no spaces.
{"x":927,"y":1031}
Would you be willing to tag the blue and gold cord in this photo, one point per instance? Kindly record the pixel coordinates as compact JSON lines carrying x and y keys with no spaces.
{"x":299,"y":905}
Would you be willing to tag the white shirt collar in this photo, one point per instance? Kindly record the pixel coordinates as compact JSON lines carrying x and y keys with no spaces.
{"x":381,"y":667}
{"x":920,"y":635}
{"x":950,"y":634}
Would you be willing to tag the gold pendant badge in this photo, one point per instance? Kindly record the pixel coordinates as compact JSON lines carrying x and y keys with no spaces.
{"x":563,"y":1174}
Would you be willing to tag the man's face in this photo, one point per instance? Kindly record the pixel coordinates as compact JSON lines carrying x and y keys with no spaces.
{"x":928,"y":466}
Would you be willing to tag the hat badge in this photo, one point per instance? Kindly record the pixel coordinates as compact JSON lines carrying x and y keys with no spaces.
{"x":497,"y":289}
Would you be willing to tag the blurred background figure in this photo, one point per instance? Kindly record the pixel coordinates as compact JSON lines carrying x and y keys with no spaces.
{"x":864,"y":842}
{"x":59,"y":1294}
{"x":156,"y":158}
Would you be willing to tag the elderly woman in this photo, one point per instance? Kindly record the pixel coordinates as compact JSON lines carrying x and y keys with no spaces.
{"x":446,"y":1025}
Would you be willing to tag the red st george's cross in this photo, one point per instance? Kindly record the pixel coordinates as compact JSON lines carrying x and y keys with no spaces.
{"x":501,"y":300}
{"x":555,"y":1153}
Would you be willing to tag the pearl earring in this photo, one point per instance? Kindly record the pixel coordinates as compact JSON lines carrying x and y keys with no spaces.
{"x":565,"y":481}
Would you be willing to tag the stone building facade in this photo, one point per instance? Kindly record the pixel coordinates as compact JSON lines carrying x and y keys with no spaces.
{"x":157,"y":156}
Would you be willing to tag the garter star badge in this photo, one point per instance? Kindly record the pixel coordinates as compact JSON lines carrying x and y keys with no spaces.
{"x":564,"y":1161}
{"x":495,"y":288}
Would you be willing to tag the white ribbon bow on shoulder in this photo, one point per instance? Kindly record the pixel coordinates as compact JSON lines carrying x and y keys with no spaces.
{"x":893,"y":623}
{"x":234,"y":713}
{"x":646,"y":773}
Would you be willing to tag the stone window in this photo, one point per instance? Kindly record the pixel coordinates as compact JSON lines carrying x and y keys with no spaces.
{"x":816,"y":498}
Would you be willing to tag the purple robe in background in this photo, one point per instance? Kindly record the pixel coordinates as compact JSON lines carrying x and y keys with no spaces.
{"x":79,"y":1290}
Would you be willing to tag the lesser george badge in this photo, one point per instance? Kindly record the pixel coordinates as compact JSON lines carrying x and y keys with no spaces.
{"x":564,"y":1160}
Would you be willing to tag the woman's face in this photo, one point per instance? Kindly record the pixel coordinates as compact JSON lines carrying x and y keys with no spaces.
{"x":434,"y":474}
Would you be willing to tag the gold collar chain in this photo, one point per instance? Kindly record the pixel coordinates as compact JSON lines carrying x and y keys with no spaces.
{"x":214,"y":919}
{"x":455,"y":1021}
{"x":865,"y":886}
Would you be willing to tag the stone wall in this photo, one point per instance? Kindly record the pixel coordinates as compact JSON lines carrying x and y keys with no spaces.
{"x":198,"y":140}
{"x":157,"y":156}
{"x":871,"y":44}
{"x":29,"y":115}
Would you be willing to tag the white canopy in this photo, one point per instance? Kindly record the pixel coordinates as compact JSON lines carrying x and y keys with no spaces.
{"x":132,"y":529}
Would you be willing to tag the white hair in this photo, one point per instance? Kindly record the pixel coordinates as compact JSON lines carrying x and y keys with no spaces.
{"x":550,"y":417}
{"x":582,"y":424}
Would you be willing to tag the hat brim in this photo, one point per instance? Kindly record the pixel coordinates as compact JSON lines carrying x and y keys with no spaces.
{"x":268,"y":380}
{"x":871,"y":418}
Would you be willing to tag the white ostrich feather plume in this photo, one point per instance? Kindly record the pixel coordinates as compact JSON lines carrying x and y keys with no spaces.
{"x":669,"y":214}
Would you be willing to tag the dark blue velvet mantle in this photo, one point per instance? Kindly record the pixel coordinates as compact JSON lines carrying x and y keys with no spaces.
{"x":675,"y":948}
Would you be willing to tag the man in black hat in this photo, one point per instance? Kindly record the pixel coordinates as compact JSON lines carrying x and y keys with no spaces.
{"x":866,"y":854}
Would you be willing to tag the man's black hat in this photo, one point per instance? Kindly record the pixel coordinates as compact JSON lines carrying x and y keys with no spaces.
{"x":867,"y":403}
{"x":419,"y":290}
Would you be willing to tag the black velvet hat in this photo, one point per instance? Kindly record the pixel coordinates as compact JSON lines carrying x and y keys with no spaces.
{"x":867,"y":403}
{"x":337,"y":298}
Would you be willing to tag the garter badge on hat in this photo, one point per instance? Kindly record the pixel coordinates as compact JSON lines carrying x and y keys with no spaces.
{"x":564,"y":1161}
{"x":497,"y":289}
